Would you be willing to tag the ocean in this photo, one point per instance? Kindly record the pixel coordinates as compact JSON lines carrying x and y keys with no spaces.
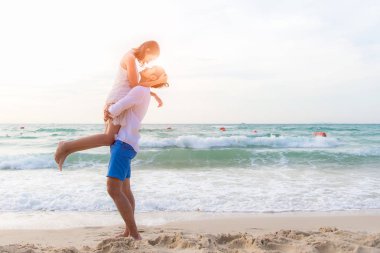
{"x":254,"y":168}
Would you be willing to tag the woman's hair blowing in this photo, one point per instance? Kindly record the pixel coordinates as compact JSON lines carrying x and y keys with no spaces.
{"x":151,"y":46}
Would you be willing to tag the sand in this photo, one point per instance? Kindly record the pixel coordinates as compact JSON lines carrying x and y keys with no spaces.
{"x":295,"y":232}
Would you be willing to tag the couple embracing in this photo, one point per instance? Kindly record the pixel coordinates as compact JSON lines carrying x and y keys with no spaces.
{"x":125,"y":108}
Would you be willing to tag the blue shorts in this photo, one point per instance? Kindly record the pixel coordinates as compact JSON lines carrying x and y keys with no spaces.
{"x":120,"y":162}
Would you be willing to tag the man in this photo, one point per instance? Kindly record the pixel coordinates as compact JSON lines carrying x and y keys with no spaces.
{"x":125,"y":147}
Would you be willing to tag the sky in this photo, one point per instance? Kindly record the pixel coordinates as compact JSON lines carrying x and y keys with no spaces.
{"x":241,"y":61}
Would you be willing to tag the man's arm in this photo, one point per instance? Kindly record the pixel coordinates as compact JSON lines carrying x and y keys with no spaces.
{"x":133,"y":97}
{"x":158,"y":99}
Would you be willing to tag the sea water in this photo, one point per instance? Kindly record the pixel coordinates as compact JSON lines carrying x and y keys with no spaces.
{"x":253,"y":168}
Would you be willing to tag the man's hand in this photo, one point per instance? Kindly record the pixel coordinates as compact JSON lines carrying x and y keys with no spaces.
{"x":106,"y":113}
{"x":158,"y":99}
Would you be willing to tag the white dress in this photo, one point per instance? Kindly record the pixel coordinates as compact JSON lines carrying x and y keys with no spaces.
{"x":120,"y":89}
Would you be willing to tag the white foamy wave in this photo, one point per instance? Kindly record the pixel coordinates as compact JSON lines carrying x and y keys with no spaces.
{"x":27,"y":161}
{"x":46,"y":161}
{"x":198,"y":142}
{"x":372,"y":151}
{"x":228,"y":190}
{"x":50,"y":190}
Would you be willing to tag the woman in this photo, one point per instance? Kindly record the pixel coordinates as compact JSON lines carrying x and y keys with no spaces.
{"x":127,"y":78}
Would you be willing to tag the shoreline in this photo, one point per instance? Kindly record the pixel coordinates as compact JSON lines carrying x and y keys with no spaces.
{"x":77,"y":219}
{"x":346,"y":226}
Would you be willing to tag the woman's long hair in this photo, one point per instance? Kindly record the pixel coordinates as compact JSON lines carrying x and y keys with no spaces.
{"x":141,"y":51}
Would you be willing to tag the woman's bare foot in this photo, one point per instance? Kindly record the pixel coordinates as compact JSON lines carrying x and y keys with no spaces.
{"x":60,"y":154}
{"x":56,"y":158}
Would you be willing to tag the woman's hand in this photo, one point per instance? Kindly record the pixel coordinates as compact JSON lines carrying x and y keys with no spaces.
{"x":106,"y":114}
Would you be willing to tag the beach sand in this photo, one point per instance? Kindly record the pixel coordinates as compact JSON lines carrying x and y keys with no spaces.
{"x":284,"y":232}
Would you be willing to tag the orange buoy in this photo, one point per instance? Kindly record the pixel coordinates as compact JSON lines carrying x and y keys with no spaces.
{"x":222,"y":129}
{"x":323,"y":134}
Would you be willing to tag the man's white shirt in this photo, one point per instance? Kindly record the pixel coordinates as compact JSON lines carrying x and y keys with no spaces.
{"x":136,"y":102}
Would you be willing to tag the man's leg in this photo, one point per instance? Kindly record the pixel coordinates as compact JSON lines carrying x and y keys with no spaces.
{"x":126,"y":189}
{"x":114,"y":188}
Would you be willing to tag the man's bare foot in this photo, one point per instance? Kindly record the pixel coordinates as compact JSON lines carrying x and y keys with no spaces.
{"x":60,"y":154}
{"x":124,"y":234}
{"x":137,"y":238}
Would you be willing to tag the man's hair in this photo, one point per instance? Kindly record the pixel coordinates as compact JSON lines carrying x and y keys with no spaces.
{"x":158,"y":71}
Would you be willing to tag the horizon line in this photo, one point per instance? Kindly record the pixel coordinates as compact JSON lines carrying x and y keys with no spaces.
{"x":215,"y":123}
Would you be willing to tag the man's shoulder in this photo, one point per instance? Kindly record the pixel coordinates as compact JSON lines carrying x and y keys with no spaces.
{"x":140,"y":89}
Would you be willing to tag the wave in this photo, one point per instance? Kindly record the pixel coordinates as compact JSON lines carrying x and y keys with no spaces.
{"x":246,"y":158}
{"x":26,"y":137}
{"x":26,"y":161}
{"x":46,"y":161}
{"x":58,"y":130}
{"x":178,"y":158}
{"x":228,"y":190}
{"x":274,"y":141}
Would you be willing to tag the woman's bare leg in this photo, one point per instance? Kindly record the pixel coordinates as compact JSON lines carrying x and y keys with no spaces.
{"x":65,"y":148}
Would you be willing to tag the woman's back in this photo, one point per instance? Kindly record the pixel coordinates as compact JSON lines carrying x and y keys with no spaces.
{"x":121,"y":85}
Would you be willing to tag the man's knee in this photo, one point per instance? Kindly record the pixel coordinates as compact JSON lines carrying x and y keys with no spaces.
{"x":113,"y":188}
{"x":126,"y":186}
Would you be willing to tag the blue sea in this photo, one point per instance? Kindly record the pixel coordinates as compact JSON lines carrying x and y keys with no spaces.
{"x":253,"y":168}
